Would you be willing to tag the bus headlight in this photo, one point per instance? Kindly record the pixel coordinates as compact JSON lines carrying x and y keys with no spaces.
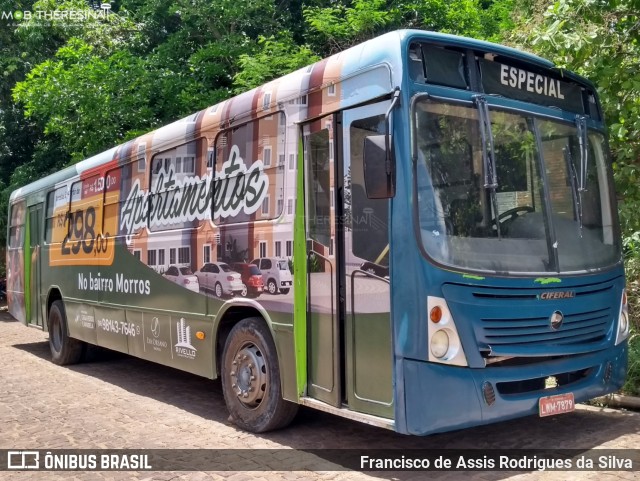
{"x":443,"y":339}
{"x":440,"y":343}
{"x":623,"y":319}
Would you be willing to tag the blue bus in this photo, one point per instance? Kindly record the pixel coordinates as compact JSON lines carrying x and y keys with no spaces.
{"x":419,"y":233}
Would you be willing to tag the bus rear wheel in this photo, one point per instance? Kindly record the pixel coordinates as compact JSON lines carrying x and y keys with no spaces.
{"x":64,"y":349}
{"x":251,"y":379}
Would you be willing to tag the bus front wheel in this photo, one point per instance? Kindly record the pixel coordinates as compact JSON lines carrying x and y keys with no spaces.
{"x":64,"y":349}
{"x":251,"y":379}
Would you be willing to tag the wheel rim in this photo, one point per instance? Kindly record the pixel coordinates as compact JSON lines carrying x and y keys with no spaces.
{"x":272,"y":287}
{"x":56,"y":336}
{"x":249,"y":376}
{"x":218,"y":290}
{"x":244,"y":291}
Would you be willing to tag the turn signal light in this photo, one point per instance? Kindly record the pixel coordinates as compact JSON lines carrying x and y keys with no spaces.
{"x":436,"y":314}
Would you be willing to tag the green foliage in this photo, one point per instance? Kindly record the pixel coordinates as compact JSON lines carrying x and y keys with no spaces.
{"x":632,"y":384}
{"x":88,"y":101}
{"x":275,"y":57}
{"x":343,"y":24}
{"x":42,"y":36}
{"x":632,"y":265}
{"x":599,"y":40}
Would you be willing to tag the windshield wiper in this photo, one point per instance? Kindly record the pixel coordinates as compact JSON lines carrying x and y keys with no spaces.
{"x":573,"y":182}
{"x":581,"y":124}
{"x":488,"y":155}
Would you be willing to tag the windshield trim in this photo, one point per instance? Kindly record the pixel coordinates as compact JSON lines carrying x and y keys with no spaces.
{"x":535,"y":116}
{"x":507,"y":104}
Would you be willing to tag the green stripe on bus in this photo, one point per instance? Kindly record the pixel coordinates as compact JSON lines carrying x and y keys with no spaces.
{"x":300,"y":280}
{"x":27,"y":266}
{"x":548,"y":280}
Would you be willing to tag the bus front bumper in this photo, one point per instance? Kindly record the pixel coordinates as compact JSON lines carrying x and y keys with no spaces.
{"x":442,"y":398}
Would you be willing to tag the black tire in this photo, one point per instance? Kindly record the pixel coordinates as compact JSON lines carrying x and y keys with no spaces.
{"x":64,"y":349}
{"x":245,"y":290}
{"x":272,"y":287}
{"x":218,"y":290}
{"x":284,"y":290}
{"x":251,"y":379}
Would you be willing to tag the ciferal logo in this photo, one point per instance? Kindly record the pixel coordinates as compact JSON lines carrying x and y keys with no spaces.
{"x":549,"y":295}
{"x":23,"y":460}
{"x":556,"y":320}
{"x":184,"y":348}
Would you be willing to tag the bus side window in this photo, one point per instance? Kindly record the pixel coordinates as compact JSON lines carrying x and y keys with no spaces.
{"x":118,"y":184}
{"x":55,"y":224}
{"x":369,"y":218}
{"x":251,"y":154}
{"x":16,"y":225}
{"x":85,"y":211}
{"x":176,"y":174}
{"x":49,"y":219}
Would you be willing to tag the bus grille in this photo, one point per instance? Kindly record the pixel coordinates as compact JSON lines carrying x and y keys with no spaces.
{"x":516,"y":322}
{"x":581,"y":327}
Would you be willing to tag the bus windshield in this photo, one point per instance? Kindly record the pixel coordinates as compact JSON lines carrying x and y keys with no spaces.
{"x":554,"y":203}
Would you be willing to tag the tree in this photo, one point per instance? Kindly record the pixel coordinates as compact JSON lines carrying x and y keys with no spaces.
{"x":90,"y":102}
{"x":342,"y":24}
{"x":275,"y":57}
{"x":601,"y":41}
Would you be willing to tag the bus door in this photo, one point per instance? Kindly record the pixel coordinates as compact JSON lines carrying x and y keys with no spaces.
{"x":33,"y":266}
{"x":323,"y":328}
{"x":368,"y":333}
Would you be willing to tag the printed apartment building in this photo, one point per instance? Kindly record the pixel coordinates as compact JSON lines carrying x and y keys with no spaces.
{"x":248,"y":159}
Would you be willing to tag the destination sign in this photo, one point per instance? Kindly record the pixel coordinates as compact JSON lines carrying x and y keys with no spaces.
{"x":521,"y":84}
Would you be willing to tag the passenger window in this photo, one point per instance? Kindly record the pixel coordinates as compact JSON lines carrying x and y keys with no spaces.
{"x":249,"y":184}
{"x":16,"y":226}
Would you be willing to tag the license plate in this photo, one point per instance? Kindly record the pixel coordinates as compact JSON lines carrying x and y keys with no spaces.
{"x":551,"y":405}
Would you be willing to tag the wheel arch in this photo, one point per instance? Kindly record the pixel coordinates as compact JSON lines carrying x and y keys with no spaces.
{"x":54,"y":294}
{"x":228,"y":316}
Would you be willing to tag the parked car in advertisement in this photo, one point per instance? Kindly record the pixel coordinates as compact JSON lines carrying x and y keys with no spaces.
{"x":252,"y":283}
{"x":183,"y":277}
{"x":275,"y":274}
{"x":219,"y":278}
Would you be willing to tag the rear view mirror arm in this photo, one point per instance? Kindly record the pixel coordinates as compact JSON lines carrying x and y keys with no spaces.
{"x":387,"y":138}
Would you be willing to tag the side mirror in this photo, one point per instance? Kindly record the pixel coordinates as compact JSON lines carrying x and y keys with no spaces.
{"x":379,"y":168}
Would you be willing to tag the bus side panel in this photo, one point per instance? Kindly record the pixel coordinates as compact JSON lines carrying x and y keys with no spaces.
{"x":136,"y":255}
{"x":81,"y":321}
